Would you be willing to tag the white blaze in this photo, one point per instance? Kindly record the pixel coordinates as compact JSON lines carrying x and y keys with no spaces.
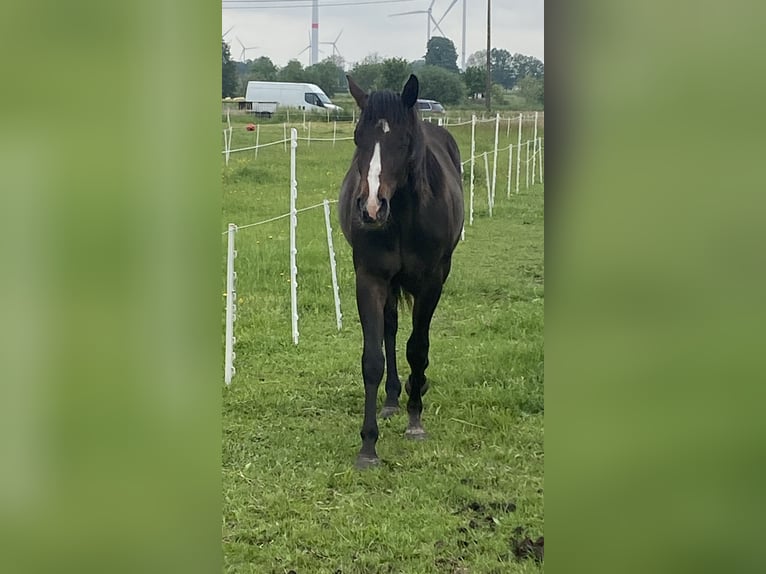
{"x":373,"y":181}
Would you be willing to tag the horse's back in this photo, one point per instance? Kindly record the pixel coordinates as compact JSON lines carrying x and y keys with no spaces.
{"x":445,"y":151}
{"x":438,"y":137}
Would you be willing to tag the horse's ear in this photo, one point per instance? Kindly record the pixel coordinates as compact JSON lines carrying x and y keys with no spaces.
{"x":410,"y":91}
{"x":359,"y":94}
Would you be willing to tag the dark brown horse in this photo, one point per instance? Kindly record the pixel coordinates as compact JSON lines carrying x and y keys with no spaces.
{"x":401,"y":209}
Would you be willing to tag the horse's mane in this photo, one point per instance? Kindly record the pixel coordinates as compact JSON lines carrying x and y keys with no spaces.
{"x":388,"y":105}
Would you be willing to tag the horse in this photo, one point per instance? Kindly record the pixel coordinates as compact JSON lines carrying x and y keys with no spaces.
{"x":401,"y":210}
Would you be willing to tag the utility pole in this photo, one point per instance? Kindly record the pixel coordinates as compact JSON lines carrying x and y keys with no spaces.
{"x":462,"y":49}
{"x":489,"y":68}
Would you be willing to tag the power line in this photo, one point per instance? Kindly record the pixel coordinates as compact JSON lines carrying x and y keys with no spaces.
{"x":254,"y":4}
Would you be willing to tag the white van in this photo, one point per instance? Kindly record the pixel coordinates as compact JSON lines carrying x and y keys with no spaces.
{"x":265,"y":97}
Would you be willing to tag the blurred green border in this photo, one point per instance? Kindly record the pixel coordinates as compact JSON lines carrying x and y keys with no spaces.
{"x":110,"y":222}
{"x":654,"y":313}
{"x":110,"y":235}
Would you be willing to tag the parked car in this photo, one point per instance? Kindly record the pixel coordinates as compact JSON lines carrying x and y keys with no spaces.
{"x":430,"y":107}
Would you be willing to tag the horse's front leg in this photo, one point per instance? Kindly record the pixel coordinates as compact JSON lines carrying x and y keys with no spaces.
{"x":417,"y":356}
{"x":371,"y":294}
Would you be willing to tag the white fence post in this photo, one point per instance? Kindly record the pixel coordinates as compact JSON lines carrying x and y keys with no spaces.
{"x":510,"y":170}
{"x":540,"y":163}
{"x":527,"y":165}
{"x":489,"y":189}
{"x":293,"y":225}
{"x":473,"y":159}
{"x":333,"y":268}
{"x":309,"y":142}
{"x":494,"y":158}
{"x":462,"y":231}
{"x":231,"y":306}
{"x":257,"y":138}
{"x":518,"y":157}
{"x":225,"y":147}
{"x":534,"y":150}
{"x":284,"y":134}
{"x":334,"y":130}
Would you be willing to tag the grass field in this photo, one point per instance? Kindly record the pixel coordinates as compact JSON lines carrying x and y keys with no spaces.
{"x":452,"y":504}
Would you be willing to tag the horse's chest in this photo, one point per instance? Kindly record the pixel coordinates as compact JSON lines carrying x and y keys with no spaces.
{"x":418,"y":253}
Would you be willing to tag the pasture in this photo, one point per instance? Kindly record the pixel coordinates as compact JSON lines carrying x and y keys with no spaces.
{"x":460,"y":502}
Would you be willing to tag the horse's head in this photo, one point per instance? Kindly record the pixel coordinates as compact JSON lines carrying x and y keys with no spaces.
{"x":387,"y":139}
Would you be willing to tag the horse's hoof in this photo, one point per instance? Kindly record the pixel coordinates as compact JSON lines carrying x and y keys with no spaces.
{"x":388,"y":411}
{"x":364,"y":462}
{"x":415,"y":433}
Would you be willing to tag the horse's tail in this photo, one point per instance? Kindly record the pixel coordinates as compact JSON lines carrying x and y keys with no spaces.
{"x":403,"y":296}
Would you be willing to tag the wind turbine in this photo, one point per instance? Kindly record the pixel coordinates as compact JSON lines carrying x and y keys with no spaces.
{"x":429,"y":19}
{"x":335,"y":51}
{"x":223,"y":36}
{"x":245,"y":49}
{"x":309,"y":48}
{"x":462,"y":47}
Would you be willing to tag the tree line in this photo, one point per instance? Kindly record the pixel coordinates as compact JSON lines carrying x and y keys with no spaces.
{"x":438,"y":72}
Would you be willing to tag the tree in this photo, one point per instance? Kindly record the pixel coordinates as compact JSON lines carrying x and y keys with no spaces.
{"x":499,"y":61}
{"x":502,"y":72}
{"x":498,"y":95}
{"x":507,"y":68}
{"x":338,"y":60}
{"x":477,"y":60}
{"x":263,"y":69}
{"x":292,"y":72}
{"x":367,"y":72}
{"x":393,"y":74}
{"x":441,"y":52}
{"x":526,"y":66}
{"x":532,"y":90}
{"x":326,"y":74}
{"x":228,"y":72}
{"x":438,"y":84}
{"x":475,"y":80}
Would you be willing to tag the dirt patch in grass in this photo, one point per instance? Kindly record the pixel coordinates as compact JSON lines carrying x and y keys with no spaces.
{"x":524,"y":547}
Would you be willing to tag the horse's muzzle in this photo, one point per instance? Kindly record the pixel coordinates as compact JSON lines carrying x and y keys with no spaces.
{"x":375,"y":216}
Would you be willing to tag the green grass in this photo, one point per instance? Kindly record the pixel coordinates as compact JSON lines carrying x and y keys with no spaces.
{"x":291,"y":419}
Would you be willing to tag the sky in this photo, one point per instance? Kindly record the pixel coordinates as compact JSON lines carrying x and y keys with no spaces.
{"x":281,"y":31}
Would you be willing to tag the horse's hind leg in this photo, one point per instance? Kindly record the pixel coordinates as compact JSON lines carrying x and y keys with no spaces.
{"x":390,"y":327}
{"x":417,"y":356}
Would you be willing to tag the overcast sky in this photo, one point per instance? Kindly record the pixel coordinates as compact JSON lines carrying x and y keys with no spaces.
{"x":282,"y":32}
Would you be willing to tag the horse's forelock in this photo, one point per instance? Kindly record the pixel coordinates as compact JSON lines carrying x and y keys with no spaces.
{"x":389,"y":106}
